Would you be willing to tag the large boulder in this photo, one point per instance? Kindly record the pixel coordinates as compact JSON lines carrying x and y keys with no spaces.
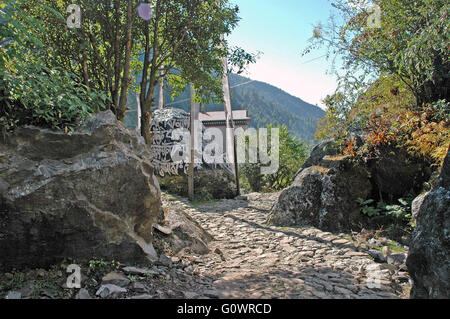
{"x":324,"y":196}
{"x":396,"y":173}
{"x":429,"y":253}
{"x":88,"y":194}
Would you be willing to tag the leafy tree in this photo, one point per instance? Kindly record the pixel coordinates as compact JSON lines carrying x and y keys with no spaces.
{"x":293,"y":154}
{"x":411,"y":42}
{"x":394,"y":90}
{"x":103,"y":52}
{"x":30,"y":91}
{"x":115,"y":50}
{"x":187,"y":35}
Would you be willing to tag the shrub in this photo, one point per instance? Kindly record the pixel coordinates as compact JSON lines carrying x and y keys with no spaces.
{"x":32,"y":93}
{"x":293,"y":154}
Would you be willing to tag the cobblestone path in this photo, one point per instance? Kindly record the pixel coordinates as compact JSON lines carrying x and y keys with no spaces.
{"x":250,"y":259}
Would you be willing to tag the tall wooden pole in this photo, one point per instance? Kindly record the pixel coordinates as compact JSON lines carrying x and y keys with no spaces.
{"x":195,"y":107}
{"x":161,"y":94}
{"x":138,"y":111}
{"x":230,"y":138}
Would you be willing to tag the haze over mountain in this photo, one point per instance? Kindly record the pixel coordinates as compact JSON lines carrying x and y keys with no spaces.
{"x":265,"y":103}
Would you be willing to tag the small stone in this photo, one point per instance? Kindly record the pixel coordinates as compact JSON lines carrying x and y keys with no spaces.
{"x":137,"y":271}
{"x":115,"y":278}
{"x":211,"y":293}
{"x":165,"y":261}
{"x":110,"y":291}
{"x":142,"y":297}
{"x":47,"y":293}
{"x":139,"y":287}
{"x":190,"y":295}
{"x":341,"y":242}
{"x":83,"y":294}
{"x":14,"y":295}
{"x":377,"y":255}
{"x":175,"y":260}
{"x":389,"y":267}
{"x":385,"y":250}
{"x":27,"y":291}
{"x":396,"y":259}
{"x":162,"y":229}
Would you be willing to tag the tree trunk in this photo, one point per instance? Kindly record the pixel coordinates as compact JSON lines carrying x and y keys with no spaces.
{"x":117,"y":51}
{"x":145,"y":123}
{"x":126,"y":73}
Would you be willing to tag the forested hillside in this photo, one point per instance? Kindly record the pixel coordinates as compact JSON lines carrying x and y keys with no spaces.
{"x":265,"y":103}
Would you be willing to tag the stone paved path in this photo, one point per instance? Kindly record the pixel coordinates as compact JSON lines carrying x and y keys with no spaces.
{"x":250,"y":259}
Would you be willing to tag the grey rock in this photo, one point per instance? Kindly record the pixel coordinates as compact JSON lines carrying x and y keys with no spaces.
{"x":28,"y":291}
{"x":396,"y":172}
{"x":142,"y":297}
{"x":139,"y":287}
{"x":324,"y":196}
{"x":429,"y":251}
{"x":88,"y":193}
{"x":396,"y":259}
{"x":165,"y":261}
{"x":186,"y":233}
{"x":47,"y":293}
{"x":377,"y":255}
{"x":162,"y":229}
{"x":115,"y":278}
{"x":138,"y":271}
{"x":191,"y":295}
{"x":83,"y":294}
{"x":325,"y":148}
{"x":14,"y":295}
{"x":211,"y":293}
{"x":110,"y":291}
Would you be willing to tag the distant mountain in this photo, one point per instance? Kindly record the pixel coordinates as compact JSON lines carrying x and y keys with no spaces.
{"x":265,"y":103}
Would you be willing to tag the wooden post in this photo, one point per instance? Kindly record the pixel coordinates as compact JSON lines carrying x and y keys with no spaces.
{"x":230,"y":138}
{"x":194,"y":117}
{"x":161,"y":94}
{"x":139,"y":113}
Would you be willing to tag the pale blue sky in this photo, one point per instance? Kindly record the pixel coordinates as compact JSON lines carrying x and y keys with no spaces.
{"x":280,"y":29}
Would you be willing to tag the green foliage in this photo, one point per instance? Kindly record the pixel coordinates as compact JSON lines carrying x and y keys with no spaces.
{"x":399,"y":213}
{"x":394,"y":90}
{"x":32,"y":93}
{"x":182,"y":43}
{"x":251,"y":177}
{"x":411,"y":43}
{"x":293,"y":154}
{"x":101,"y":267}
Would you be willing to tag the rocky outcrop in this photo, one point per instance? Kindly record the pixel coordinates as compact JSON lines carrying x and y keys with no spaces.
{"x":88,"y":194}
{"x":429,"y":255}
{"x":324,"y":196}
{"x":325,"y":148}
{"x":395,"y":173}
